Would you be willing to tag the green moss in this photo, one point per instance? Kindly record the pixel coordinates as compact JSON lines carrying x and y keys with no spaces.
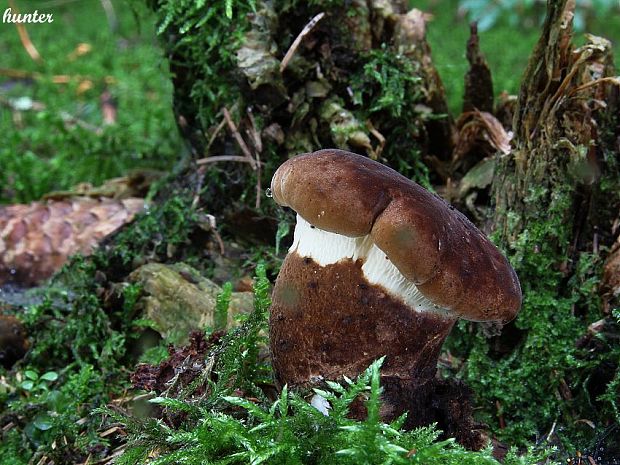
{"x":199,"y":28}
{"x":388,"y":90}
{"x":85,"y":341}
{"x":235,"y":423}
{"x":545,"y":378}
{"x":12,"y":450}
{"x":58,"y":139}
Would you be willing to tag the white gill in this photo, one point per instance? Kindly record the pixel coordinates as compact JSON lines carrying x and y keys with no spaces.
{"x":327,"y":248}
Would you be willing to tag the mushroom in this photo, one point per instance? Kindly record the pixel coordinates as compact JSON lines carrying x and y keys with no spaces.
{"x":378,"y":267}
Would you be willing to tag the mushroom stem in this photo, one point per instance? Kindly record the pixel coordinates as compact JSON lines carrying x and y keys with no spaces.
{"x":335,"y":311}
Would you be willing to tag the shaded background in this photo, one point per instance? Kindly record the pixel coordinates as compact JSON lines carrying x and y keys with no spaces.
{"x":102,"y":58}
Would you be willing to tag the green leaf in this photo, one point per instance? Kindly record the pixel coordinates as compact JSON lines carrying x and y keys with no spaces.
{"x":222,"y":302}
{"x":43,"y":421}
{"x":31,"y":375}
{"x":27,"y":385}
{"x":50,"y":376}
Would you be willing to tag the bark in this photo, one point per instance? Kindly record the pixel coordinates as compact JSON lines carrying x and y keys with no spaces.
{"x":558,"y":145}
{"x":478,"y":80}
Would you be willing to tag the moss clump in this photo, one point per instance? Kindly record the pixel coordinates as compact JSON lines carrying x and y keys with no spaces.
{"x":203,"y":38}
{"x":387,"y":90}
{"x":234,"y":422}
{"x":544,"y":369}
{"x":346,"y":86}
{"x":82,"y":329}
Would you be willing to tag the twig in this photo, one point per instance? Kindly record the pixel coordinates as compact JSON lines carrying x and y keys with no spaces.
{"x":259,"y":189}
{"x":611,"y":79}
{"x":56,"y":79}
{"x":115,"y":453}
{"x":242,"y":145}
{"x":254,"y":134}
{"x":379,"y":150}
{"x":304,"y":32}
{"x":110,"y":14}
{"x":218,"y":158}
{"x":215,"y":133}
{"x":25,"y":38}
{"x":218,"y":238}
{"x":201,"y":174}
{"x":258,"y":148}
{"x":18,"y":73}
{"x":552,"y":431}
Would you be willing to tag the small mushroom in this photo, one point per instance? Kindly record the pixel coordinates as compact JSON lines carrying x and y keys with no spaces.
{"x":379,"y":266}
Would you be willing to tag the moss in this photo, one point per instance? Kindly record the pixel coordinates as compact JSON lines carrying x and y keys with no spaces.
{"x":12,"y":450}
{"x":54,"y":133}
{"x":542,"y":375}
{"x":233,"y":62}
{"x":84,"y":338}
{"x":387,"y":90}
{"x":198,"y":29}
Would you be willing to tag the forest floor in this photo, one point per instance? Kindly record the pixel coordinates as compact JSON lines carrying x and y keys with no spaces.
{"x":99,"y":105}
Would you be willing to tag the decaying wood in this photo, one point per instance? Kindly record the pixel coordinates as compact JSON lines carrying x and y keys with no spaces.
{"x":556,"y":125}
{"x":410,"y":40}
{"x":480,"y":134}
{"x":297,"y":75}
{"x":478,"y":80}
{"x":179,"y":300}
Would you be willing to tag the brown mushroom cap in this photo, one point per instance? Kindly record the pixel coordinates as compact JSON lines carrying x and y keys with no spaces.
{"x":432,"y":244}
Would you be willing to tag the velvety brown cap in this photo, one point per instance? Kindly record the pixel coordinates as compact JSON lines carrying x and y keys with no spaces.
{"x":432,"y":244}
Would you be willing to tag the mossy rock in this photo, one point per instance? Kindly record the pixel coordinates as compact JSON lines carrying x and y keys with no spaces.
{"x":177,"y":299}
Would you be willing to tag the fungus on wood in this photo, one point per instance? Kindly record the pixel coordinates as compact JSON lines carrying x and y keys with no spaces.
{"x":379,"y":266}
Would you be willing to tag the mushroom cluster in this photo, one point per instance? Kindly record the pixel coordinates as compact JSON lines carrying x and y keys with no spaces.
{"x":379,"y":266}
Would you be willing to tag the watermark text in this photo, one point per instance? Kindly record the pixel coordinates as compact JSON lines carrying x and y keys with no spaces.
{"x":31,"y":18}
